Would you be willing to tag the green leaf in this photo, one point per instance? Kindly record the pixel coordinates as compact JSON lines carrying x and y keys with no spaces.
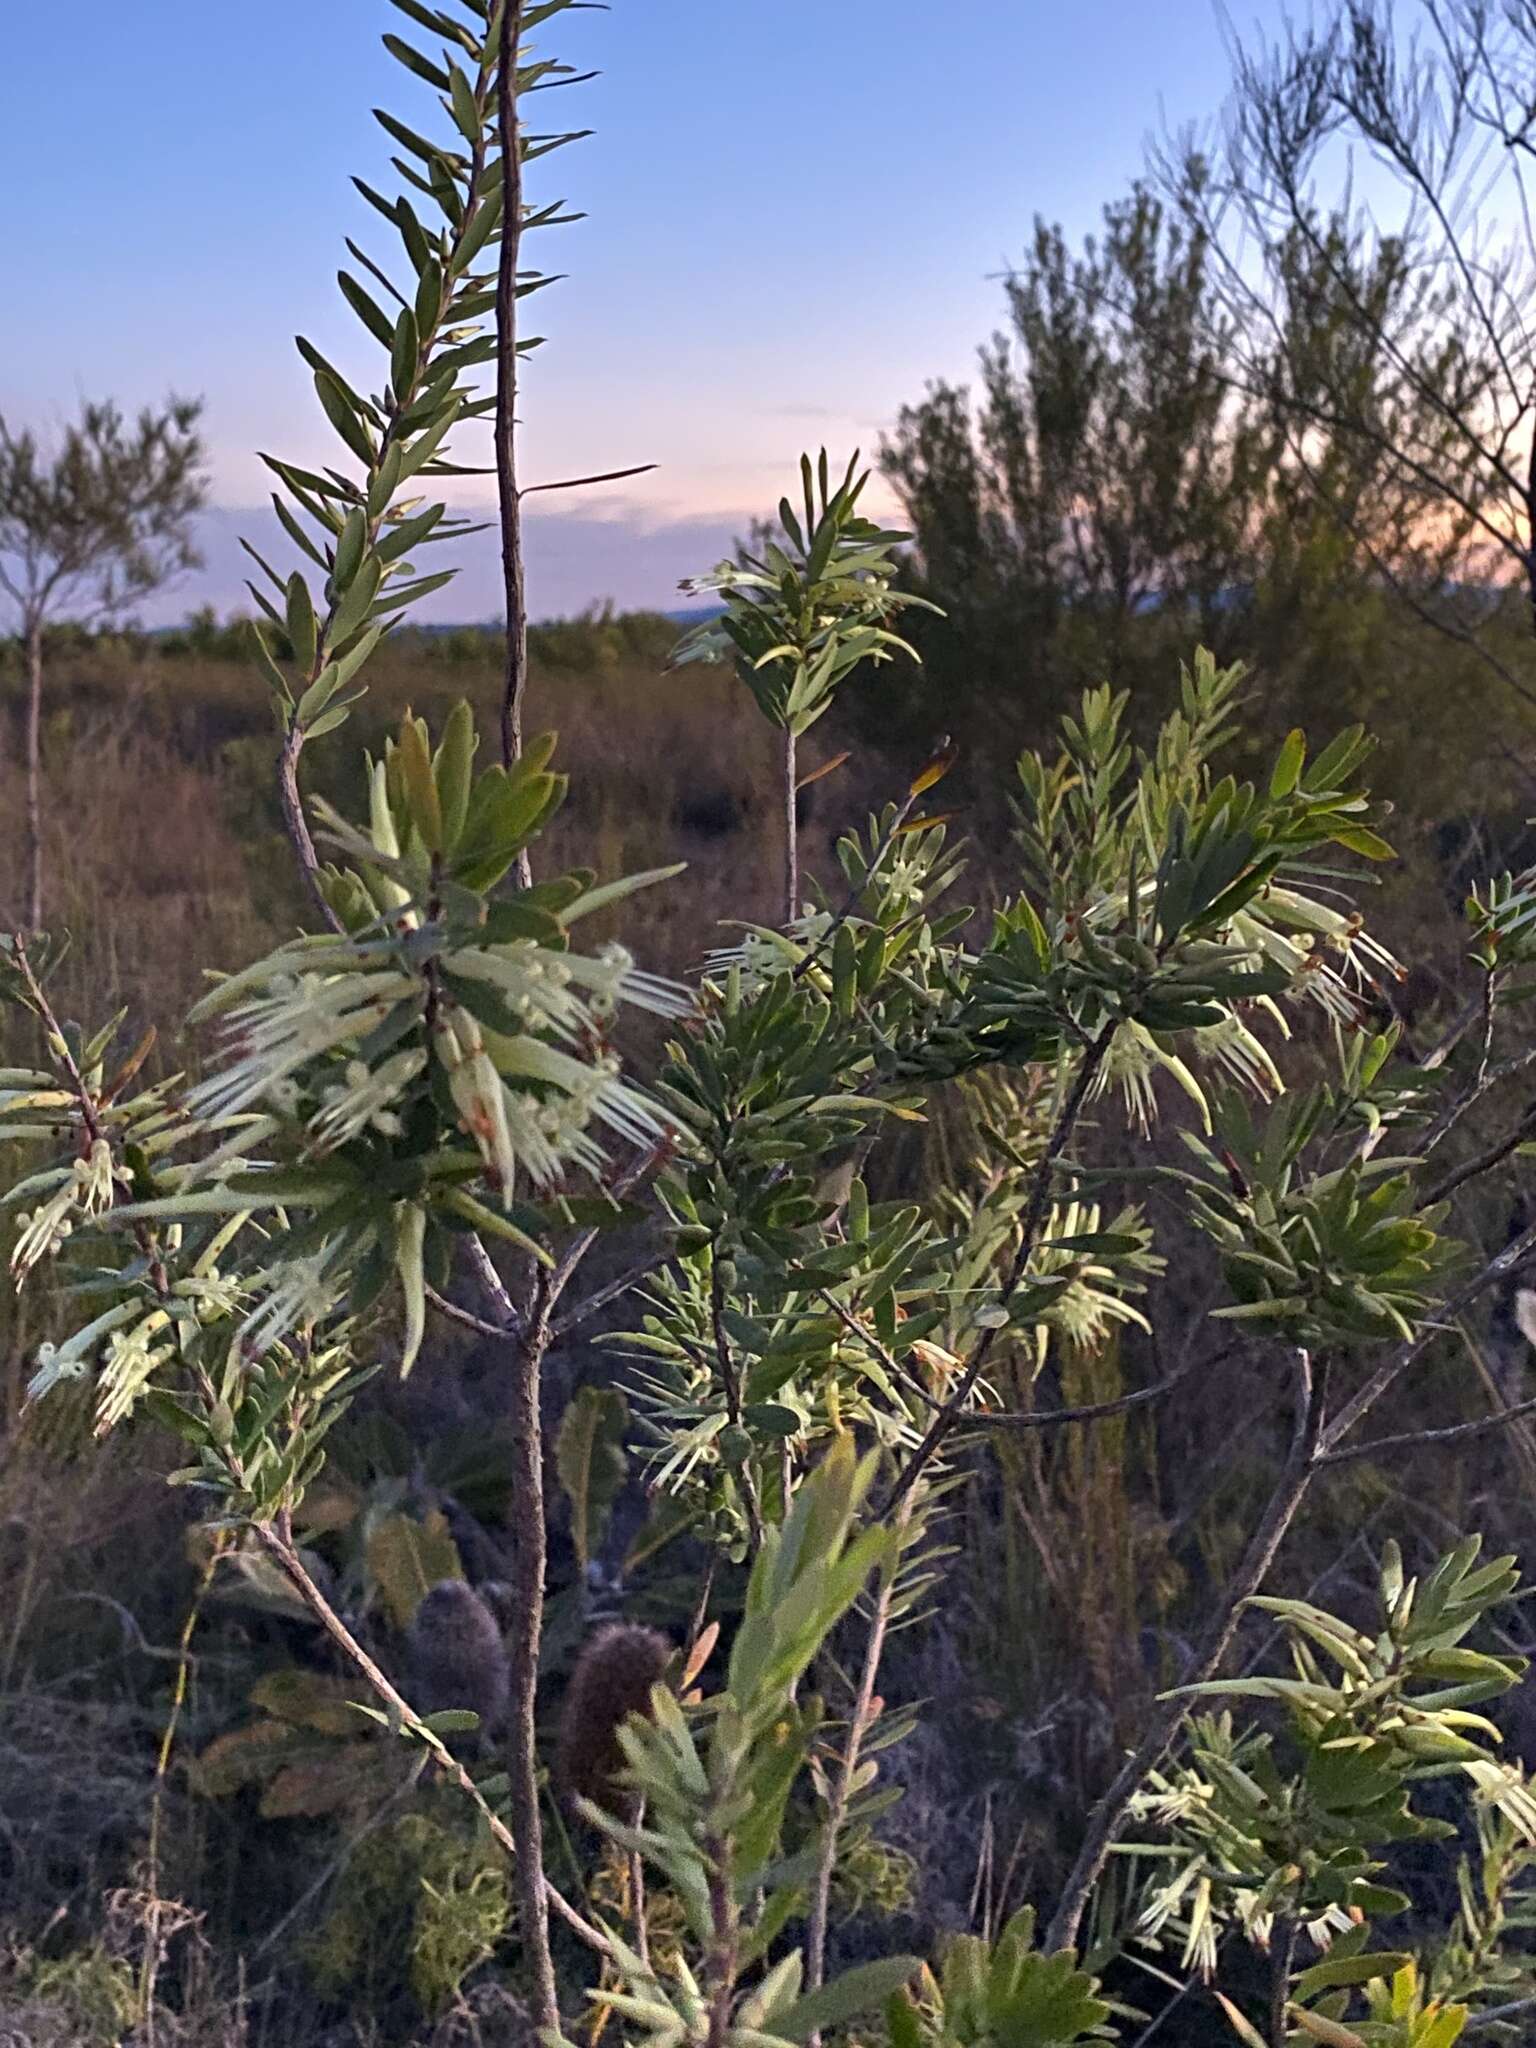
{"x":866,"y":1985}
{"x":299,"y":614}
{"x":404,"y":355}
{"x":451,"y":1721}
{"x":355,"y":606}
{"x":420,"y":783}
{"x":349,"y":548}
{"x":414,"y":61}
{"x":453,"y":767}
{"x":277,"y":682}
{"x":367,"y":309}
{"x":1360,"y":839}
{"x":1287,"y":770}
{"x":466,"y":113}
{"x":1335,"y":1971}
{"x":1244,"y":2029}
{"x":591,"y":1463}
{"x":410,"y":1233}
{"x":343,"y":418}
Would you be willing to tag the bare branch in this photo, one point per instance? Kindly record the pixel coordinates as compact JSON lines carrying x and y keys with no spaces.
{"x":1416,"y":1439}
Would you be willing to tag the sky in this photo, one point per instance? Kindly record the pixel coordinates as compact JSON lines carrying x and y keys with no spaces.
{"x":796,"y":215}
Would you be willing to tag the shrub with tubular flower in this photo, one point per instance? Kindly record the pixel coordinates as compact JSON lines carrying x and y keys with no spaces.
{"x":438,"y":1061}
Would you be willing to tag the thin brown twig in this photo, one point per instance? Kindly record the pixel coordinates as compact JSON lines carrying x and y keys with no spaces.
{"x":1092,"y":1411}
{"x":611,"y":1291}
{"x":576,"y":483}
{"x":1484,"y":1161}
{"x":624,"y":1184}
{"x":789,"y":771}
{"x":882,"y":1351}
{"x":529,"y":1541}
{"x":860,"y":1720}
{"x":60,"y":1044}
{"x":1415,"y":1439}
{"x":297,"y":825}
{"x":1501,"y":2015}
{"x":494,"y":1285}
{"x":1282,"y":1960}
{"x":1386,"y":1375}
{"x":1453,"y":1111}
{"x":150,"y":1967}
{"x":466,"y":1317}
{"x":281,"y":1548}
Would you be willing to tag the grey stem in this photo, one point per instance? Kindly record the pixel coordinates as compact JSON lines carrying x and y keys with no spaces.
{"x":791,"y":829}
{"x":297,"y":825}
{"x":526,"y":1515}
{"x":1282,"y":1960}
{"x":510,"y":503}
{"x":847,"y":1767}
{"x":34,"y":774}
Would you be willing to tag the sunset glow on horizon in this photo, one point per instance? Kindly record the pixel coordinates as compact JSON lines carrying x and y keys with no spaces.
{"x":747,"y":282}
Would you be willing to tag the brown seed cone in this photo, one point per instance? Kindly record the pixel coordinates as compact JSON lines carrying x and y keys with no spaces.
{"x":456,"y":1657}
{"x":612,"y":1679}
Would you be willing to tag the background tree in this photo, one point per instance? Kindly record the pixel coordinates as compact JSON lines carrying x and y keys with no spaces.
{"x":102,"y":524}
{"x":1106,"y":469}
{"x":1365,"y":205}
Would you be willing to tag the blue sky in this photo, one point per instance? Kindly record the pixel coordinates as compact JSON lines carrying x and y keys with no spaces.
{"x":796,"y":214}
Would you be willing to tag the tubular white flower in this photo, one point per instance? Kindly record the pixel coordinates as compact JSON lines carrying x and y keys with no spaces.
{"x":1328,"y":954}
{"x":43,"y":1230}
{"x":611,"y":977}
{"x":364,"y":1099}
{"x":761,"y":954}
{"x":1132,"y":1059}
{"x":295,"y":1291}
{"x":477,"y":1092}
{"x":215,"y":1294}
{"x":96,"y":1178}
{"x":593,"y":1090}
{"x":1232,"y":1045}
{"x":297,"y":1019}
{"x":566,"y":993}
{"x":131,"y":1362}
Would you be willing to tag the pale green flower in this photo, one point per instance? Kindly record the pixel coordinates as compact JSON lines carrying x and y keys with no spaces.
{"x":296,"y":1292}
{"x":1230,"y":1044}
{"x":295,"y":1019}
{"x":1131,"y":1065}
{"x":364,"y":1099}
{"x":43,"y":1230}
{"x":762,"y":954}
{"x":1328,"y":954}
{"x":132,"y":1359}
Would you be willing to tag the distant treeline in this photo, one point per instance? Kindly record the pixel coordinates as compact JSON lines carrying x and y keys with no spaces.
{"x":597,"y":639}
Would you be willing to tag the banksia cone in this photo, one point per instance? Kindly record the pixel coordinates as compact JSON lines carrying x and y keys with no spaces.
{"x":612,"y":1679}
{"x":456,"y":1655}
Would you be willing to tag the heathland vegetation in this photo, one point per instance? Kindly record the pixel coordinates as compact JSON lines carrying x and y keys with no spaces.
{"x":859,"y":1371}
